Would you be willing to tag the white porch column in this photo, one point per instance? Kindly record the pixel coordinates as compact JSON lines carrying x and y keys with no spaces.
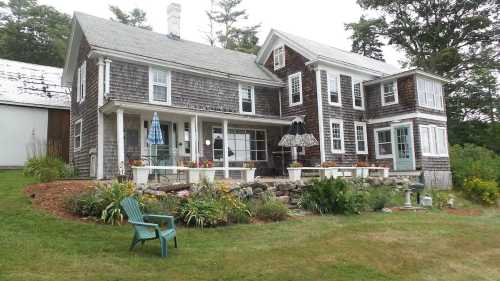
{"x":192,"y":130}
{"x":226,"y":149}
{"x":142,"y":135}
{"x":100,"y":120}
{"x":120,"y":141}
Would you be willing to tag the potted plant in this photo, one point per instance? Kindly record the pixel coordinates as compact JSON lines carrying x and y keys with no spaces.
{"x":362,"y":169}
{"x":249,"y":172}
{"x":193,"y":174}
{"x":295,"y":171}
{"x":139,"y":172}
{"x":328,"y":170}
{"x":207,"y":174}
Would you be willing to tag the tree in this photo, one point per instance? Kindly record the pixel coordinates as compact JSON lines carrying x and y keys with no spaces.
{"x":455,"y":39}
{"x":33,"y":33}
{"x":135,"y":17}
{"x":366,"y":37}
{"x":230,"y":35}
{"x":210,"y":34}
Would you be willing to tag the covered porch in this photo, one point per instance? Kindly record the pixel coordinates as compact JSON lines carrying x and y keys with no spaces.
{"x":191,"y":136}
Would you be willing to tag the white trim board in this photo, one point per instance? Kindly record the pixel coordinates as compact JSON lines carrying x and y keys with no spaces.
{"x":320,"y":116}
{"x":408,"y":116}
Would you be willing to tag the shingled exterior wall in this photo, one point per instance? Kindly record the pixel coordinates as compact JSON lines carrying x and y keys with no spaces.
{"x":294,"y":62}
{"x":87,"y":112}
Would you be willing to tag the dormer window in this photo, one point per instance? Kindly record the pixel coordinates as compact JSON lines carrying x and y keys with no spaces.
{"x":389,"y":92}
{"x":247,"y":99}
{"x":279,"y":57}
{"x":159,"y":86}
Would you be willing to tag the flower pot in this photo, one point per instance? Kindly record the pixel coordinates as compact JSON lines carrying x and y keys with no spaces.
{"x":249,"y":175}
{"x":193,"y":176}
{"x":362,"y":172}
{"x":140,"y":175}
{"x":294,"y":174}
{"x":328,"y":173}
{"x":208,"y":175}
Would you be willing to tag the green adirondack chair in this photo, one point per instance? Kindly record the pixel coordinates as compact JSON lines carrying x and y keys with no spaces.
{"x":144,"y":231}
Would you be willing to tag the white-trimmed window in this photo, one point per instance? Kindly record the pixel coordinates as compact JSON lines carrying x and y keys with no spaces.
{"x":389,"y":92}
{"x":81,"y":88}
{"x":434,"y":141}
{"x":295,"y":89}
{"x":361,"y":139}
{"x":247,"y":99}
{"x":430,"y":93}
{"x":358,"y":97}
{"x":279,"y":57}
{"x":337,"y":135}
{"x":77,"y":135}
{"x":187,"y":138}
{"x":159,"y":86}
{"x":334,"y":94}
{"x":383,"y":143}
{"x":243,"y":144}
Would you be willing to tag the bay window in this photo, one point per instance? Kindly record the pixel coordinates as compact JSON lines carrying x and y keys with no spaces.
{"x":383,"y":143}
{"x":434,"y":141}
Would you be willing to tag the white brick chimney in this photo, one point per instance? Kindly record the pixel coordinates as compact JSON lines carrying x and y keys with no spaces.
{"x":174,"y":20}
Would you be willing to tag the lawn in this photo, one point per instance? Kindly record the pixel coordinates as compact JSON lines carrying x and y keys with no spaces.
{"x":374,"y":246}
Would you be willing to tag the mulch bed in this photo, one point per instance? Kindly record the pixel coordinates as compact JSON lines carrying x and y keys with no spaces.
{"x":464,"y":212}
{"x":50,"y":197}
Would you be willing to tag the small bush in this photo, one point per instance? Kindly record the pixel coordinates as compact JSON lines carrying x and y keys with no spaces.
{"x":165,"y":205}
{"x":472,"y":161}
{"x":269,"y":208}
{"x":333,"y":196}
{"x":379,"y":198}
{"x":45,"y":168}
{"x":85,"y":204}
{"x":481,"y":191}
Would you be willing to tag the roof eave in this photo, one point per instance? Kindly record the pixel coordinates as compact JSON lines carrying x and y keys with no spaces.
{"x":406,"y":73}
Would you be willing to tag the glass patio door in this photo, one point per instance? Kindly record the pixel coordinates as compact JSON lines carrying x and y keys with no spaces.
{"x":403,"y":159}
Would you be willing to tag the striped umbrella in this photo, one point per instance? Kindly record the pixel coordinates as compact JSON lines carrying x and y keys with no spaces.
{"x":155,"y":136}
{"x":297,"y":136}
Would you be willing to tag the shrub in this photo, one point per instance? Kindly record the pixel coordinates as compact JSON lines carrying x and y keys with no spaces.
{"x":85,"y":204}
{"x":269,"y":208}
{"x":333,"y":196}
{"x":472,"y":161}
{"x":379,"y":198}
{"x":45,"y":168}
{"x":481,"y":191}
{"x":164,"y":205}
{"x":202,"y":212}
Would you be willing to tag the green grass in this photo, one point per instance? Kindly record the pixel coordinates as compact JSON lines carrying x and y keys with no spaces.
{"x":398,"y":246}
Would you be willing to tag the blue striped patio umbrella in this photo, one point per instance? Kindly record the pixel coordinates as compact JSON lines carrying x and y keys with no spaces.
{"x":155,"y":136}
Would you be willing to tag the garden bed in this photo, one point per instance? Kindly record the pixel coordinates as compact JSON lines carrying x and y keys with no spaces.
{"x":50,"y":197}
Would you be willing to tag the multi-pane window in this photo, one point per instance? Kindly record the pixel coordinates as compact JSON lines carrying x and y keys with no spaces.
{"x":337,"y":135}
{"x":81,"y":82}
{"x":389,"y":93}
{"x":430,"y":93}
{"x":334,"y":97}
{"x":243,"y":144}
{"x":295,"y":88}
{"x":77,"y":134}
{"x":247,"y":99}
{"x":361,"y":140}
{"x":383,"y":143}
{"x":357,"y":95}
{"x":433,"y":141}
{"x":187,"y":138}
{"x":160,"y":86}
{"x":279,"y":57}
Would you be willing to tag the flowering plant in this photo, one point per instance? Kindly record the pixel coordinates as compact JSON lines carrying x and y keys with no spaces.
{"x":135,"y":162}
{"x":249,"y":164}
{"x":328,"y":164}
{"x":207,"y":164}
{"x":296,"y":164}
{"x":362,"y":164}
{"x":192,"y":164}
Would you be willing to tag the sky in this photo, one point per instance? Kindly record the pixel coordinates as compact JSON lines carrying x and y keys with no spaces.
{"x":318,"y":20}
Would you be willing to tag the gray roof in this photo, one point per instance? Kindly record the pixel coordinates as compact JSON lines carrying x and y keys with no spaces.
{"x":32,"y":85}
{"x":115,"y":36}
{"x":320,"y":50}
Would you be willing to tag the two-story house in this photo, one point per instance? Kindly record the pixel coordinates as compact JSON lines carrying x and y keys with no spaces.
{"x":233,"y":107}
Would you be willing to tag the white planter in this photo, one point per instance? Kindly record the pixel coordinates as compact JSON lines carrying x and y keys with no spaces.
{"x":208,"y":175}
{"x":140,"y":175}
{"x":328,"y":173}
{"x":193,"y":176}
{"x":249,"y":175}
{"x":294,"y":174}
{"x":362,"y":172}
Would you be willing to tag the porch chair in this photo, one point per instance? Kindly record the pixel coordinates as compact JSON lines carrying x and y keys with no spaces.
{"x":148,"y":231}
